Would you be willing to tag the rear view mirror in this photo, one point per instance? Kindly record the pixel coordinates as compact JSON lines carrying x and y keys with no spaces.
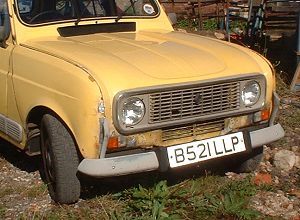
{"x":4,"y":34}
{"x":2,"y":37}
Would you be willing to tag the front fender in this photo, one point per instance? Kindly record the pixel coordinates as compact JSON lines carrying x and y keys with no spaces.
{"x":63,"y":87}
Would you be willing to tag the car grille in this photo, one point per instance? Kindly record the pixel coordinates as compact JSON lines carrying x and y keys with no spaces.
{"x":192,"y":130}
{"x":192,"y":102}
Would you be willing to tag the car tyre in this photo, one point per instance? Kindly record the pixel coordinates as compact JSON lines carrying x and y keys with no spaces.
{"x":60,"y":161}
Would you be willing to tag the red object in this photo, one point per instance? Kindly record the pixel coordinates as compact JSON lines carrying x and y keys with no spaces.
{"x":265,"y":114}
{"x":113,"y":143}
{"x":263,"y":178}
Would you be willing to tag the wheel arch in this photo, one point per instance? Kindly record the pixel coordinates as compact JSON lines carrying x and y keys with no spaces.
{"x":33,"y":124}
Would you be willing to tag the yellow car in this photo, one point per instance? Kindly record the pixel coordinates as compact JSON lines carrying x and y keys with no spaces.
{"x":108,"y":88}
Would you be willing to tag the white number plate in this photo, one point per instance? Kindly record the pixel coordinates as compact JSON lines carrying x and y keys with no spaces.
{"x":183,"y":154}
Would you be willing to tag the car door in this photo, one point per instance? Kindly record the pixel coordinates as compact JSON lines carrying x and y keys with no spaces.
{"x":5,"y":51}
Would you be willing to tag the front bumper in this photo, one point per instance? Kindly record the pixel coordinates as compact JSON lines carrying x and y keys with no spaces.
{"x":148,"y":161}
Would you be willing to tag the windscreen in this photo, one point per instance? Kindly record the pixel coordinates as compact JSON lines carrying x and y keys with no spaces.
{"x":44,"y":11}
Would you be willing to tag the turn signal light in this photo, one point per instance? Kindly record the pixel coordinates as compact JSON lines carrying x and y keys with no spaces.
{"x":113,"y":143}
{"x":262,"y":115}
{"x":265,"y":114}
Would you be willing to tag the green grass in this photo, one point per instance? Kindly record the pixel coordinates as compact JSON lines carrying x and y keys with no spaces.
{"x":31,"y":191}
{"x":209,"y":197}
{"x":95,"y":208}
{"x":184,"y":24}
{"x":35,"y":191}
{"x":210,"y":24}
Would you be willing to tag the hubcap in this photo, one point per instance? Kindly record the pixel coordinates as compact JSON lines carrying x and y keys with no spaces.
{"x":48,"y":161}
{"x":49,"y":164}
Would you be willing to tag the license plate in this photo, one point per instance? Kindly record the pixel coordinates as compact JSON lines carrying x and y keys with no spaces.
{"x":183,"y":154}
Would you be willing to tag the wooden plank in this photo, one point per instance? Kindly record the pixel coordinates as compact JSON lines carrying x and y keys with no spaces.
{"x":280,"y":15}
{"x":285,"y":8}
{"x":281,"y":26}
{"x":280,"y":22}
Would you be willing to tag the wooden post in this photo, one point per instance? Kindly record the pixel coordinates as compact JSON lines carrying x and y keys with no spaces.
{"x":295,"y":85}
{"x":173,"y":5}
{"x":218,"y":14}
{"x":200,"y":25}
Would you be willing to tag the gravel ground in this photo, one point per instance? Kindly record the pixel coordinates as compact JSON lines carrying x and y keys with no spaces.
{"x":21,"y":187}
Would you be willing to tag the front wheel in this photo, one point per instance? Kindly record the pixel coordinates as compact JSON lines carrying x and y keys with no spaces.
{"x":60,"y":161}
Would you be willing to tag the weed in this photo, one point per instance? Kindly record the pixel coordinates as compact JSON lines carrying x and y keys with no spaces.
{"x":183,"y":23}
{"x":230,"y":201}
{"x":148,"y":202}
{"x":157,"y":202}
{"x":202,"y":198}
{"x":115,"y":215}
{"x":210,"y":24}
{"x":245,"y":187}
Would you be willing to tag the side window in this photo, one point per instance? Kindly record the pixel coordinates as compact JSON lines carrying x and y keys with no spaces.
{"x":136,"y":7}
{"x":92,"y":8}
{"x":65,"y":8}
{"x":4,"y":21}
{"x":24,"y":6}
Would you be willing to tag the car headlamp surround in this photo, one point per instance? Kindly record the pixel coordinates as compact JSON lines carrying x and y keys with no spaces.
{"x":251,"y":93}
{"x":132,"y":110}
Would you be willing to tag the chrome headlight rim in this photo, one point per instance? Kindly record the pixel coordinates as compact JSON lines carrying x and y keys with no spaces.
{"x":127,"y":107}
{"x":254,"y":87}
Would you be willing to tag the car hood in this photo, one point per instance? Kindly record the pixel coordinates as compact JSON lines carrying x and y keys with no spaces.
{"x":120,"y":61}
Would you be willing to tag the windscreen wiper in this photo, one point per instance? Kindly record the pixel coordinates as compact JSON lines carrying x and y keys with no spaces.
{"x":132,"y":3}
{"x":81,"y":14}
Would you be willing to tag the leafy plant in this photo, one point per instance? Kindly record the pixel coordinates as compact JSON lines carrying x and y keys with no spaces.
{"x":230,"y":201}
{"x":182,"y":23}
{"x":244,"y":187}
{"x":149,"y":203}
{"x":210,"y":24}
{"x":202,"y":198}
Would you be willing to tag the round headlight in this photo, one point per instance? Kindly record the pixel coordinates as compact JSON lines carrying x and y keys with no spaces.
{"x":251,"y":93}
{"x":132,"y":111}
